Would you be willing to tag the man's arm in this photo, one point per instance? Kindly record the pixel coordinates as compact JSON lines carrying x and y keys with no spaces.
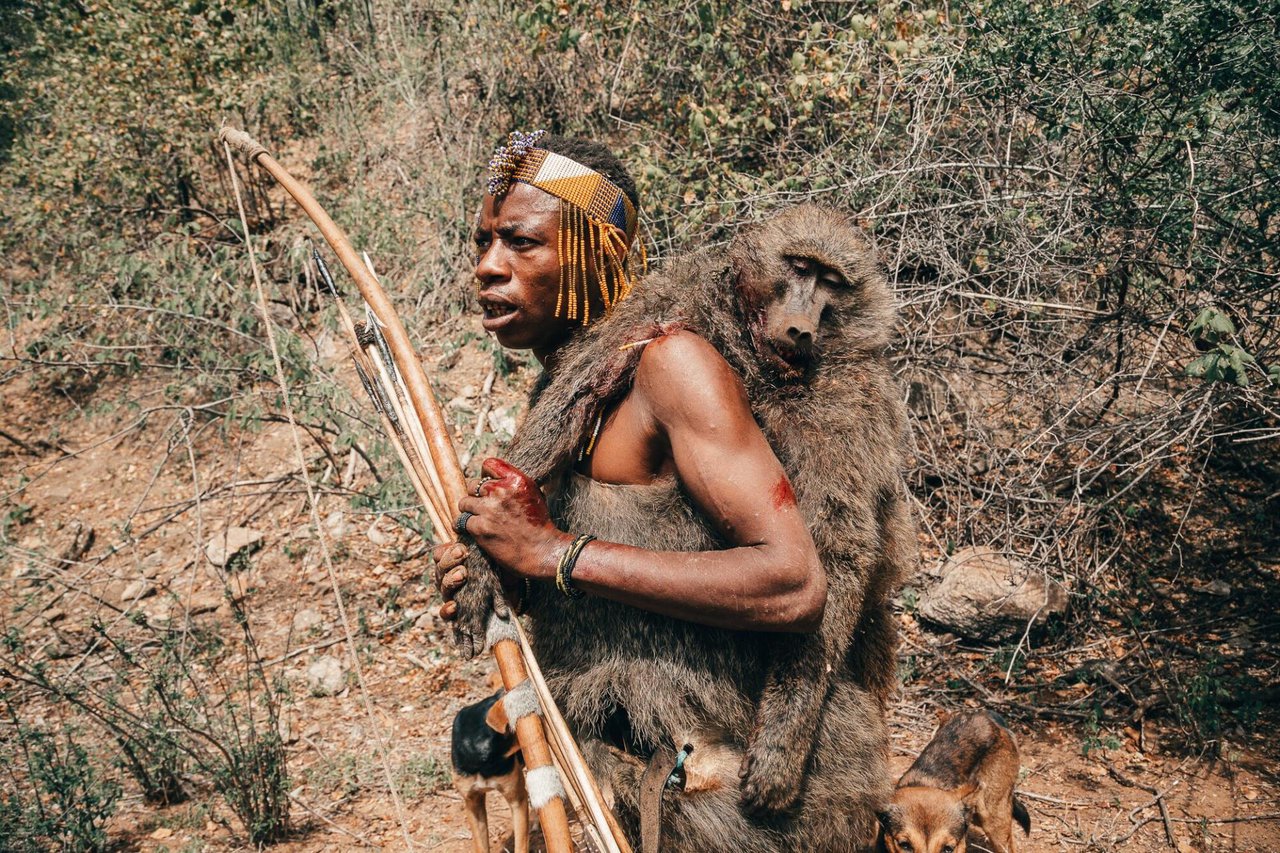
{"x":770,"y":578}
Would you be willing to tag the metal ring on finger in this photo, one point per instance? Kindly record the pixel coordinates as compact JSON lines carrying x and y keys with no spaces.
{"x":460,"y":525}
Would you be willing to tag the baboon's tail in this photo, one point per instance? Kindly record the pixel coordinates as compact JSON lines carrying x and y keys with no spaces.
{"x":1021,"y":814}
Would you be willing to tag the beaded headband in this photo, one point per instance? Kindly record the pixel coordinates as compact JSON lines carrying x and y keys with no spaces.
{"x":601,"y":199}
{"x":597,"y":220}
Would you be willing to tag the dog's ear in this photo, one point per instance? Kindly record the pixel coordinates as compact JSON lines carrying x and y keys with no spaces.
{"x":968,"y":790}
{"x":496,"y":719}
{"x":890,"y":817}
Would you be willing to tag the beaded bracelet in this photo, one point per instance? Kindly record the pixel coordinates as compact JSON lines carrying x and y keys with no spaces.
{"x":564,"y":571}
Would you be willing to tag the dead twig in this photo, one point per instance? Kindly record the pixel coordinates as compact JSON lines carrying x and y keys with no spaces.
{"x":1237,"y":819}
{"x":314,"y":647}
{"x":309,"y":810}
{"x":1157,"y":800}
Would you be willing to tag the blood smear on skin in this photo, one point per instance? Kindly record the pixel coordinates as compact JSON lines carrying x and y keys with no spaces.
{"x":782,"y":493}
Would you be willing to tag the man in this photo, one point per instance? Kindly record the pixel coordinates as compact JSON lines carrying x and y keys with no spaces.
{"x":668,"y":550}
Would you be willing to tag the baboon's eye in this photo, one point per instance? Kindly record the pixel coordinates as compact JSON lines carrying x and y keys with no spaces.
{"x":802,"y":266}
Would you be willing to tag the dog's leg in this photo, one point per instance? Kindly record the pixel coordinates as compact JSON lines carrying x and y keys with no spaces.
{"x":998,"y":827}
{"x":477,"y":818}
{"x":518,"y":800}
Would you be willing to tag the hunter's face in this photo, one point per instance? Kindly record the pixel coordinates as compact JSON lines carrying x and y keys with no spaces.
{"x":518,"y":269}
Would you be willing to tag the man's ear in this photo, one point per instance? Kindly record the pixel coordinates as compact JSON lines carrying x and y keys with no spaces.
{"x":496,"y":719}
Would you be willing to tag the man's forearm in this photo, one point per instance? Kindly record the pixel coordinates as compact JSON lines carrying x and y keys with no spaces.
{"x":747,"y":588}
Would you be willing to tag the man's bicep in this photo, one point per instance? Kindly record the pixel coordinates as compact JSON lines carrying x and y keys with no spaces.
{"x":736,"y":480}
{"x":720,"y":455}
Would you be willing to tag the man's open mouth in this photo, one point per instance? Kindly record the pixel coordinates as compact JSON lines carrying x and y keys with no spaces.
{"x":495,"y":312}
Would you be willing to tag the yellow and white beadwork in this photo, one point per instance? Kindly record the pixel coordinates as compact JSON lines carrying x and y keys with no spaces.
{"x":597,"y":221}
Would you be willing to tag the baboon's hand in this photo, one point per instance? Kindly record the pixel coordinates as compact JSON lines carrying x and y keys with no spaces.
{"x":771,"y":778}
{"x":451,"y":576}
{"x":479,"y":595}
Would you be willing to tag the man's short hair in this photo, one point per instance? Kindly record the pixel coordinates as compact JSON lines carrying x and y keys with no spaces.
{"x":595,"y":156}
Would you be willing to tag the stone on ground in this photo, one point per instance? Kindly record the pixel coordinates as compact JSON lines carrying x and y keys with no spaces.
{"x":983,"y":595}
{"x":326,"y":677}
{"x":305,"y":621}
{"x":229,"y":543}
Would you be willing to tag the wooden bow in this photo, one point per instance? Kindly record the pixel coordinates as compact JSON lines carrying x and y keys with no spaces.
{"x":392,"y":374}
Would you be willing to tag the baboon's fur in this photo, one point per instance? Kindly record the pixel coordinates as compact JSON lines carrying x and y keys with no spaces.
{"x":807,"y":708}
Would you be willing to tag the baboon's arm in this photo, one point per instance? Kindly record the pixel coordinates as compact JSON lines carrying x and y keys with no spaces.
{"x":799,"y":676}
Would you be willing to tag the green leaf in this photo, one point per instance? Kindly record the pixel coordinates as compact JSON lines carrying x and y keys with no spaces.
{"x":1211,"y":326}
{"x":1207,"y":367}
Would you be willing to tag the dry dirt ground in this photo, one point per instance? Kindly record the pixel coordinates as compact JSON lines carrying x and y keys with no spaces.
{"x":135,"y":484}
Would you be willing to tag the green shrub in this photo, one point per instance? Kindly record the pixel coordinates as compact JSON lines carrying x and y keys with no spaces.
{"x":1168,"y":115}
{"x":53,"y":796}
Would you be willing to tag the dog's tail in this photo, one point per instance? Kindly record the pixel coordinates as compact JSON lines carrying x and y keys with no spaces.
{"x":1021,"y":814}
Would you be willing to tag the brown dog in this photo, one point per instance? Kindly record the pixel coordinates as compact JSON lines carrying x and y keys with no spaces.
{"x":484,"y":759}
{"x":964,"y":777}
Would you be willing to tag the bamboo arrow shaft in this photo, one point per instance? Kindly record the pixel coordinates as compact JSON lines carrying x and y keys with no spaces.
{"x":508,"y":653}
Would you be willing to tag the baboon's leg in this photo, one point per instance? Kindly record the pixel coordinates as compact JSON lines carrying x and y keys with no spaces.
{"x":785,"y":723}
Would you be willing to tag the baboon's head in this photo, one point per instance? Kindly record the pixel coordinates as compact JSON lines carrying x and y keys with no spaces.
{"x":813,"y":290}
{"x":925,"y":820}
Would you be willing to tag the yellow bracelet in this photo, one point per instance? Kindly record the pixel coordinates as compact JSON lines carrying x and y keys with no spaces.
{"x":564,"y":570}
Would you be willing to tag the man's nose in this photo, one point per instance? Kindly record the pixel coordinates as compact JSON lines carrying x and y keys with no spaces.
{"x":491,"y":266}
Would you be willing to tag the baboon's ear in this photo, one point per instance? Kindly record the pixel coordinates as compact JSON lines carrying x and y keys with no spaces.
{"x":496,"y":719}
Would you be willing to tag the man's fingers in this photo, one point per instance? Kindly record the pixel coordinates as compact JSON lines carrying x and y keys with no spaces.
{"x":446,"y":558}
{"x":499,"y":468}
{"x":449,"y":555}
{"x":476,"y":488}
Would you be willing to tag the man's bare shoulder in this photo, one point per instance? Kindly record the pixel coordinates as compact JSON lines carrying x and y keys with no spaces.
{"x":681,"y":375}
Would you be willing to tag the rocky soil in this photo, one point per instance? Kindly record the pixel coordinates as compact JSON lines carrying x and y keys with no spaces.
{"x":190,"y":516}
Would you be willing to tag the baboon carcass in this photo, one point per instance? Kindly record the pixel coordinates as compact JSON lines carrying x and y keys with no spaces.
{"x":819,"y":316}
{"x":791,"y":727}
